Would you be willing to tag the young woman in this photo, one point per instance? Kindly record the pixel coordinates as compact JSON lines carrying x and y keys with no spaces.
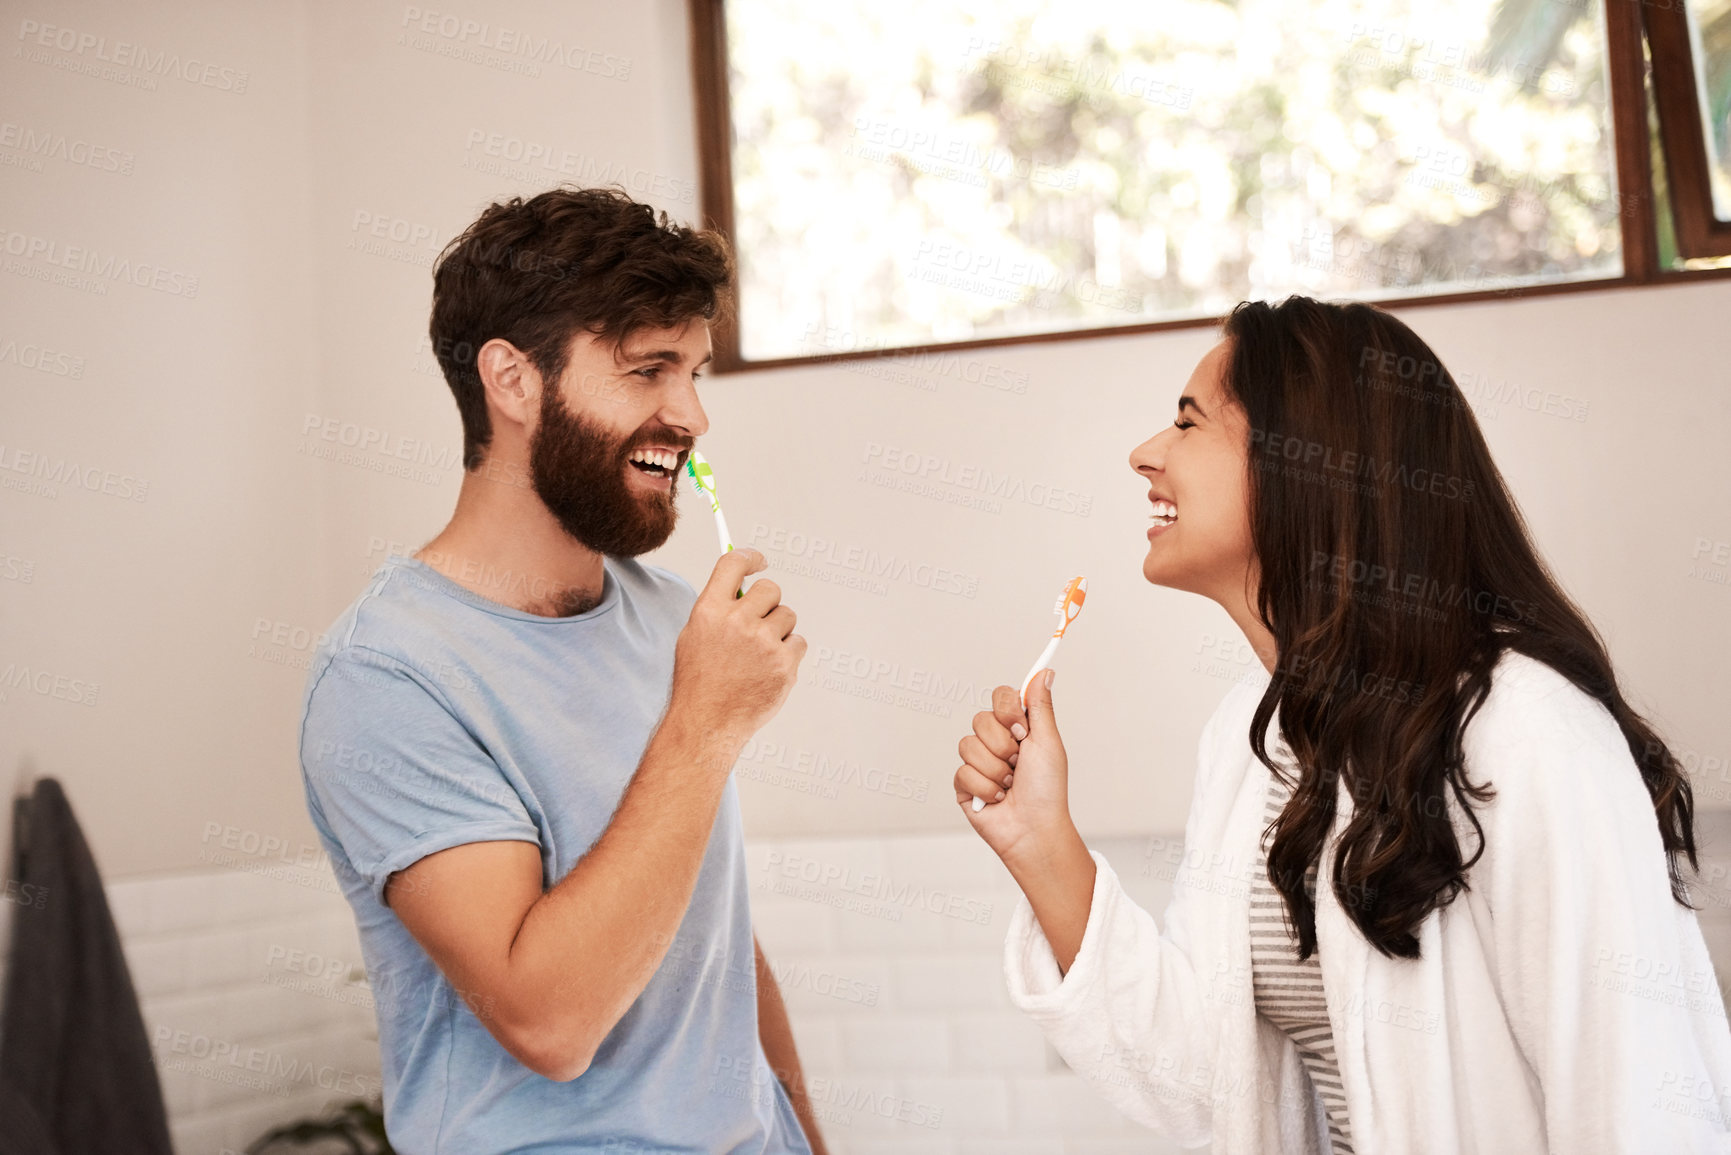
{"x":1430,"y":897}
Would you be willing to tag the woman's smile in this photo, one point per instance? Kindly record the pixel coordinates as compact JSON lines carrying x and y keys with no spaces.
{"x":1165,"y":516}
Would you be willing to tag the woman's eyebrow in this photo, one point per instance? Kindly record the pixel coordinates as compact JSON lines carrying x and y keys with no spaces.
{"x":1190,"y":401}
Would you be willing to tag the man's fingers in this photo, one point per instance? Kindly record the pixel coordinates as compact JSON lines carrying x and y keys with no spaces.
{"x":731,"y":570}
{"x":763,"y":596}
{"x":781,"y":619}
{"x":1007,"y":708}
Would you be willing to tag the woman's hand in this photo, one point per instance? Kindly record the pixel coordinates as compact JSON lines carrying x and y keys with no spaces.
{"x":1015,"y":763}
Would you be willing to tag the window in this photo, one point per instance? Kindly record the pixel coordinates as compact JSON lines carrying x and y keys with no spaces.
{"x":901,"y":174}
{"x":1691,"y":53}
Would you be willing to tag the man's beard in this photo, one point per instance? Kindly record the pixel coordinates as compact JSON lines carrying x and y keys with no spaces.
{"x":578,"y":470}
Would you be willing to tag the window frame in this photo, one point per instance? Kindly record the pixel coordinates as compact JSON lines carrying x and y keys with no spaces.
{"x":1699,"y":232}
{"x":1626,"y":70}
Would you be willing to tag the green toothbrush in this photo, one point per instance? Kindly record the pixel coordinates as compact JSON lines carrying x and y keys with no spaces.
{"x":703,"y":480}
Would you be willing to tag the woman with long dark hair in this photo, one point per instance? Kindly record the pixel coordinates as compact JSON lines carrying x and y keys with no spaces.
{"x":1431,"y":896}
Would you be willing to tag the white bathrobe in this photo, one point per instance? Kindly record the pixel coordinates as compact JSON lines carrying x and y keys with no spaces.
{"x":1564,"y":1003}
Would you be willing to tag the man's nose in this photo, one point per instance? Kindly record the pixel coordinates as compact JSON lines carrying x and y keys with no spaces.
{"x":684,"y":412}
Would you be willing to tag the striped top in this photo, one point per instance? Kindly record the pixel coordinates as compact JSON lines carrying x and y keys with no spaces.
{"x":1288,"y":992}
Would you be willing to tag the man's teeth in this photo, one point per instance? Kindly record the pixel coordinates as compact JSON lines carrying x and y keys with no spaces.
{"x":1165,"y":513}
{"x":656,"y":458}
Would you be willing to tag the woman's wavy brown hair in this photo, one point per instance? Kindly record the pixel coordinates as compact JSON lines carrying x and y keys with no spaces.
{"x":537,"y":272}
{"x":1396,"y":569}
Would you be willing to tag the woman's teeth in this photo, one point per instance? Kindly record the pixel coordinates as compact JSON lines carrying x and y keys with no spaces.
{"x":655,"y":460}
{"x":1165,"y":513}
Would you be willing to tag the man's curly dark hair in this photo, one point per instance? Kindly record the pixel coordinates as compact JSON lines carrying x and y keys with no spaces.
{"x":538,"y":272}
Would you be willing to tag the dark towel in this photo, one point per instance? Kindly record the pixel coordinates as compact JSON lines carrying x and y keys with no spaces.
{"x":72,"y":1041}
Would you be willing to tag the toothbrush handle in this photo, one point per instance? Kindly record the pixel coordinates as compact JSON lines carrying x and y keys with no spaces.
{"x":726,"y":541}
{"x":1045,"y":660}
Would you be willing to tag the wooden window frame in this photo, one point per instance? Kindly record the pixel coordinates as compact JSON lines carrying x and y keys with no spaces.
{"x":1626,"y":68}
{"x":1699,"y":232}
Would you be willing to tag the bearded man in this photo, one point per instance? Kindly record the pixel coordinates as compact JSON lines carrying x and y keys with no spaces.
{"x":517,"y":743}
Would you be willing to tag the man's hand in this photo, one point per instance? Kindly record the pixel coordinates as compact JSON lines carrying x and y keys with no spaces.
{"x":737,"y":658}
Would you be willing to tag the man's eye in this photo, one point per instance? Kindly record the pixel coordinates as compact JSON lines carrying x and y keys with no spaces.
{"x":649,"y":373}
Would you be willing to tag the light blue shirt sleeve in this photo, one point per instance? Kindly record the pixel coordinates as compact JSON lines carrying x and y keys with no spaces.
{"x":393,"y":773}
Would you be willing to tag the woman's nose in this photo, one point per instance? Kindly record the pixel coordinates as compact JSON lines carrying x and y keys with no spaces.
{"x":1150,"y":455}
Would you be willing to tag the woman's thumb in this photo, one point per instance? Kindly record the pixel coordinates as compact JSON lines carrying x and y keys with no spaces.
{"x":1041,"y":719}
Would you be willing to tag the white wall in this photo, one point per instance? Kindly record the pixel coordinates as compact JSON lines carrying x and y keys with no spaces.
{"x":144,"y":598}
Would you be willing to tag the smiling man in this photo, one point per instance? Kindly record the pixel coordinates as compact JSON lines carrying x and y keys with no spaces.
{"x":517,"y":744}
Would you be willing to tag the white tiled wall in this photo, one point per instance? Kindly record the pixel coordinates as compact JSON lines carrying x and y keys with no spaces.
{"x":899,"y":1008}
{"x":253,"y":996}
{"x":906,"y":1033}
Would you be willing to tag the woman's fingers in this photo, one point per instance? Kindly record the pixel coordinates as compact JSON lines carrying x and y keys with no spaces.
{"x":1007,"y":709}
{"x":975,"y":754}
{"x":971,"y":784}
{"x":993,"y":737}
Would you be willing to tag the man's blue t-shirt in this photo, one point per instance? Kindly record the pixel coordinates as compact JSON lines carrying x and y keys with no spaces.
{"x":434,"y":717}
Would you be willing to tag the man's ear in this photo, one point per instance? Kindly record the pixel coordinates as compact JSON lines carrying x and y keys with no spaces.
{"x":510,"y":381}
